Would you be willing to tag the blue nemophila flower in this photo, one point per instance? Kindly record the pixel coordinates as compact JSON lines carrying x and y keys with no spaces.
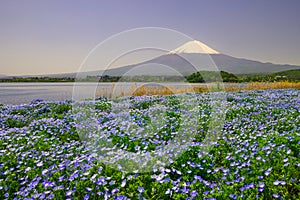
{"x":69,"y":193}
{"x":101,"y":181}
{"x":261,"y":184}
{"x":260,"y":189}
{"x":115,"y":190}
{"x":251,"y":185}
{"x":268,"y":171}
{"x":194,"y":193}
{"x":233,"y":196}
{"x":140,"y":189}
{"x":185,"y":190}
{"x":87,"y":196}
{"x":169,"y":191}
{"x":276,"y":182}
{"x":121,"y":197}
{"x":276,"y":196}
{"x":48,"y":184}
{"x":123,"y":183}
{"x":39,"y":164}
{"x":279,"y":182}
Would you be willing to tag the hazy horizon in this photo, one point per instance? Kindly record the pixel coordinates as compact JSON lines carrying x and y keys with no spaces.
{"x":50,"y":37}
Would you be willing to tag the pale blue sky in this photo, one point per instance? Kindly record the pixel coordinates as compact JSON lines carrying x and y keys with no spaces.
{"x":39,"y":37}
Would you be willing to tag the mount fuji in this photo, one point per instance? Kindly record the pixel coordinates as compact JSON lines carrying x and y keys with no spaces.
{"x":183,"y":60}
{"x":188,"y":58}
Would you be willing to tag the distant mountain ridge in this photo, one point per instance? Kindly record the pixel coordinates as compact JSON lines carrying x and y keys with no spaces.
{"x":223,"y":62}
{"x":196,"y":52}
{"x":204,"y":57}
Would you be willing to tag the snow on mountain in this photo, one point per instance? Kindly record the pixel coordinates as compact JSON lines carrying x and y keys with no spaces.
{"x":194,"y":47}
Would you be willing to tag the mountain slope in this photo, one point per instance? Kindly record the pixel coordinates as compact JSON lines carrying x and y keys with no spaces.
{"x":203,"y":57}
{"x":180,"y":61}
{"x":240,"y":65}
{"x":223,"y":63}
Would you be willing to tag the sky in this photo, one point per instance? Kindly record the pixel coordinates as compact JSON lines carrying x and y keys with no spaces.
{"x":55,"y":36}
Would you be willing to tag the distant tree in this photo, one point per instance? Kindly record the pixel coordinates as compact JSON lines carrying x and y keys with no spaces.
{"x":212,"y":76}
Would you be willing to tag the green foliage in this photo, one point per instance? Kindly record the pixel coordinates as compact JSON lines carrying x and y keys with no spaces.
{"x":16,"y":123}
{"x":211,"y":76}
{"x":289,"y":75}
{"x":103,"y":105}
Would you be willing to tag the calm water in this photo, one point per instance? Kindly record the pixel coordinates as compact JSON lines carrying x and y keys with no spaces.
{"x":23,"y":93}
{"x":19,"y":93}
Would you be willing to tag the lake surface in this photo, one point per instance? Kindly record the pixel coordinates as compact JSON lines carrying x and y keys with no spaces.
{"x":20,"y":93}
{"x":24,"y":93}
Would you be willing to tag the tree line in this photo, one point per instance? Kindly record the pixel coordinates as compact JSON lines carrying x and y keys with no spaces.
{"x":197,"y":77}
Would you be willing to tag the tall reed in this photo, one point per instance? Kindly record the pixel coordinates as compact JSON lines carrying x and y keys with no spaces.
{"x":137,"y":90}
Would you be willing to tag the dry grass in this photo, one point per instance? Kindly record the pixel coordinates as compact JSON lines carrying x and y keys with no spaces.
{"x":264,"y":86}
{"x":161,"y":90}
{"x":136,"y":90}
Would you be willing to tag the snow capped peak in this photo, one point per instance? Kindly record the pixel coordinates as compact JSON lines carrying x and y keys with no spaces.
{"x":194,"y":47}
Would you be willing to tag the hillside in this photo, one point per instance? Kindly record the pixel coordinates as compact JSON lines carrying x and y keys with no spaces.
{"x":289,"y":74}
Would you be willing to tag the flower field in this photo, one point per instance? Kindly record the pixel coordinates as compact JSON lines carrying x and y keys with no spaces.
{"x":256,"y":155}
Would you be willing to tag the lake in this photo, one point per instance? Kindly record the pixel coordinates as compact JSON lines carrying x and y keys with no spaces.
{"x":23,"y":93}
